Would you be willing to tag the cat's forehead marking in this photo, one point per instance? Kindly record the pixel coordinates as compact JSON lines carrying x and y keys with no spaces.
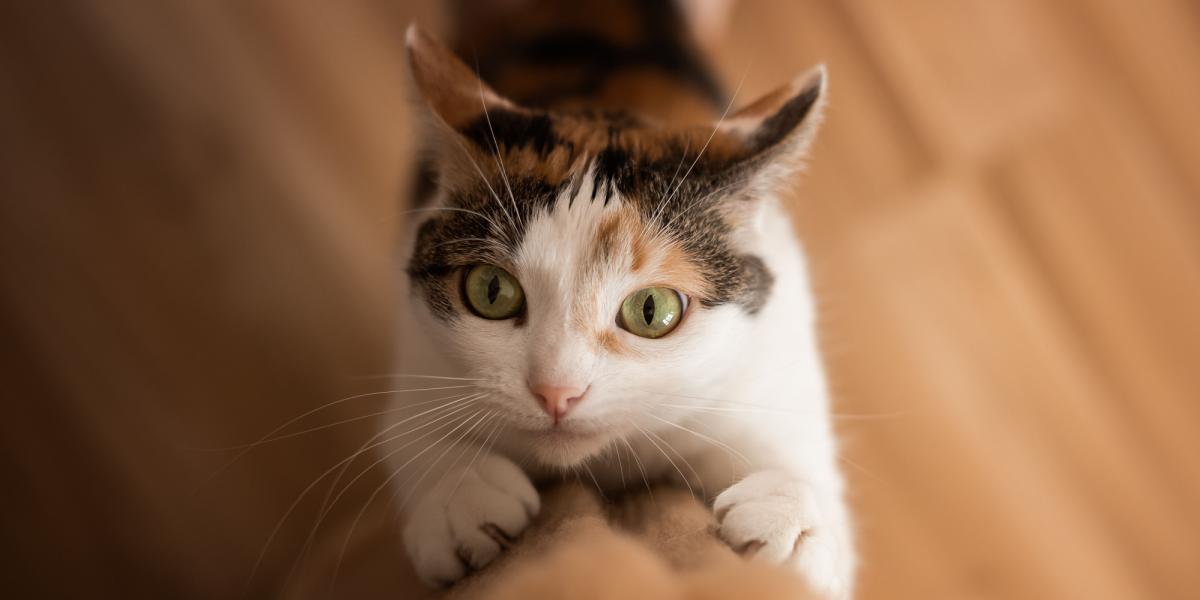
{"x":645,"y":197}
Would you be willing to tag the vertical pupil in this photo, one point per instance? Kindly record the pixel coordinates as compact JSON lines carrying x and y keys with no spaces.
{"x":493,"y":289}
{"x":648,"y":309}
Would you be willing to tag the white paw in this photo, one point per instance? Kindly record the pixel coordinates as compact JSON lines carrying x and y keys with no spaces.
{"x":453,"y":531}
{"x":774,"y":516}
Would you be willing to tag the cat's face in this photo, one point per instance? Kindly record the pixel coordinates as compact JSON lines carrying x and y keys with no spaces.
{"x":593,"y":270}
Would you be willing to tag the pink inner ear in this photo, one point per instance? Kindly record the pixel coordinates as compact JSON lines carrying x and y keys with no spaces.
{"x":448,"y":85}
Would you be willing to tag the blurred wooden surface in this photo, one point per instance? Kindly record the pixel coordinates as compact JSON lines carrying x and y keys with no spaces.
{"x":1005,"y":214}
{"x":196,"y":202}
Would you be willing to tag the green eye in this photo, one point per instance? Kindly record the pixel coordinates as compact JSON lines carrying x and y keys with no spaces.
{"x":492,"y":293}
{"x":651,"y":312}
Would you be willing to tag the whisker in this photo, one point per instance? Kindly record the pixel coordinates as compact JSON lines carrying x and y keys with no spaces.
{"x":462,"y":406}
{"x":279,"y":525}
{"x":309,"y":413}
{"x":594,"y":481}
{"x":327,"y":507}
{"x":686,"y":463}
{"x":750,"y":407}
{"x":411,"y":490}
{"x":751,"y":410}
{"x":495,"y":428}
{"x":495,"y":226}
{"x":719,"y":443}
{"x":716,"y":128}
{"x":463,"y":241}
{"x":496,"y":145}
{"x":453,"y":135}
{"x":620,"y":464}
{"x":669,"y":459}
{"x":641,"y":468}
{"x":371,"y":498}
{"x":416,"y":376}
{"x":329,"y":425}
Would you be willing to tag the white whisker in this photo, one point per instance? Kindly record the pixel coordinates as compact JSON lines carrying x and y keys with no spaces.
{"x":706,"y":438}
{"x":309,"y":413}
{"x":496,"y":148}
{"x":371,"y":498}
{"x":495,"y":429}
{"x":686,"y":463}
{"x":687,"y":483}
{"x":716,"y":128}
{"x":304,"y":493}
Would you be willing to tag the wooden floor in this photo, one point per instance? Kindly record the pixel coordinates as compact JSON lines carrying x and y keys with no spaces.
{"x":1003,"y":213}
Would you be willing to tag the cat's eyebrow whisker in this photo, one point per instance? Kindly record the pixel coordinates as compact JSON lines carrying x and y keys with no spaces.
{"x":682,"y":157}
{"x":496,"y":145}
{"x":304,"y":493}
{"x":454,"y":136}
{"x":706,"y":438}
{"x":492,"y":222}
{"x":487,"y":241}
{"x":716,"y":128}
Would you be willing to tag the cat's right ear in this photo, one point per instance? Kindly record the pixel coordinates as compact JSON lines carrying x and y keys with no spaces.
{"x":452,"y":91}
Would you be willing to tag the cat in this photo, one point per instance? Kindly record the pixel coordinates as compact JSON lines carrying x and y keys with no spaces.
{"x":601,"y":266}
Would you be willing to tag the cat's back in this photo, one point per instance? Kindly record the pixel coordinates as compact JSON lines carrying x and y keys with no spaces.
{"x":637,"y":57}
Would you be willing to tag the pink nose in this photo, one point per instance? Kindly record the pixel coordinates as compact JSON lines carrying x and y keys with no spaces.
{"x":557,"y":399}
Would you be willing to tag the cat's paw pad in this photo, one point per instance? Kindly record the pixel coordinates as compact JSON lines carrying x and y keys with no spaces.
{"x":774,"y":517}
{"x":465,"y":521}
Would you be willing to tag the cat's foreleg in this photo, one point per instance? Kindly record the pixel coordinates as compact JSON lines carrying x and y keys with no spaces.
{"x":794,"y":516}
{"x":466,"y":516}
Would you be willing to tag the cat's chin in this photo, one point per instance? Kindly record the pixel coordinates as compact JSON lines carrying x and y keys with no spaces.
{"x":564,"y":447}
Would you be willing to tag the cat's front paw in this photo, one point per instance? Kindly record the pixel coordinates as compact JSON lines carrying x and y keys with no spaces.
{"x":775,"y":516}
{"x":468,"y":518}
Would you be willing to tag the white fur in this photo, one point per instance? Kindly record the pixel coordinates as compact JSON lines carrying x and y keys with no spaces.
{"x":733,"y":406}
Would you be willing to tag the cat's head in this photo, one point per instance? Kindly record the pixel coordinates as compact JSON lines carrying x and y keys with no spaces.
{"x":594,"y":269}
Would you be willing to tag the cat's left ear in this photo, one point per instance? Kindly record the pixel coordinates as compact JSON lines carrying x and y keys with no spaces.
{"x":450,"y":88}
{"x":776,"y":130}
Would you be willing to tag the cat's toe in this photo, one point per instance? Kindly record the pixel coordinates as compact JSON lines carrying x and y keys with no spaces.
{"x":774,"y":517}
{"x":764,"y":519}
{"x":466,"y":521}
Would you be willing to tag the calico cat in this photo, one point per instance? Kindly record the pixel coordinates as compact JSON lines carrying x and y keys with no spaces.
{"x":600,"y":265}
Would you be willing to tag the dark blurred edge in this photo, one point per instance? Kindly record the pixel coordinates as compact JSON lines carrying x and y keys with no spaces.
{"x":179,"y":271}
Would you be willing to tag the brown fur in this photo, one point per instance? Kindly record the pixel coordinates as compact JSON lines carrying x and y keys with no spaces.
{"x":639,"y":122}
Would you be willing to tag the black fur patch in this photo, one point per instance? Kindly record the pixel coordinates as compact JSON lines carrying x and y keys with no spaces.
{"x":692,"y":211}
{"x":451,"y":240}
{"x":512,"y":129}
{"x":662,"y":44}
{"x":785,"y":120}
